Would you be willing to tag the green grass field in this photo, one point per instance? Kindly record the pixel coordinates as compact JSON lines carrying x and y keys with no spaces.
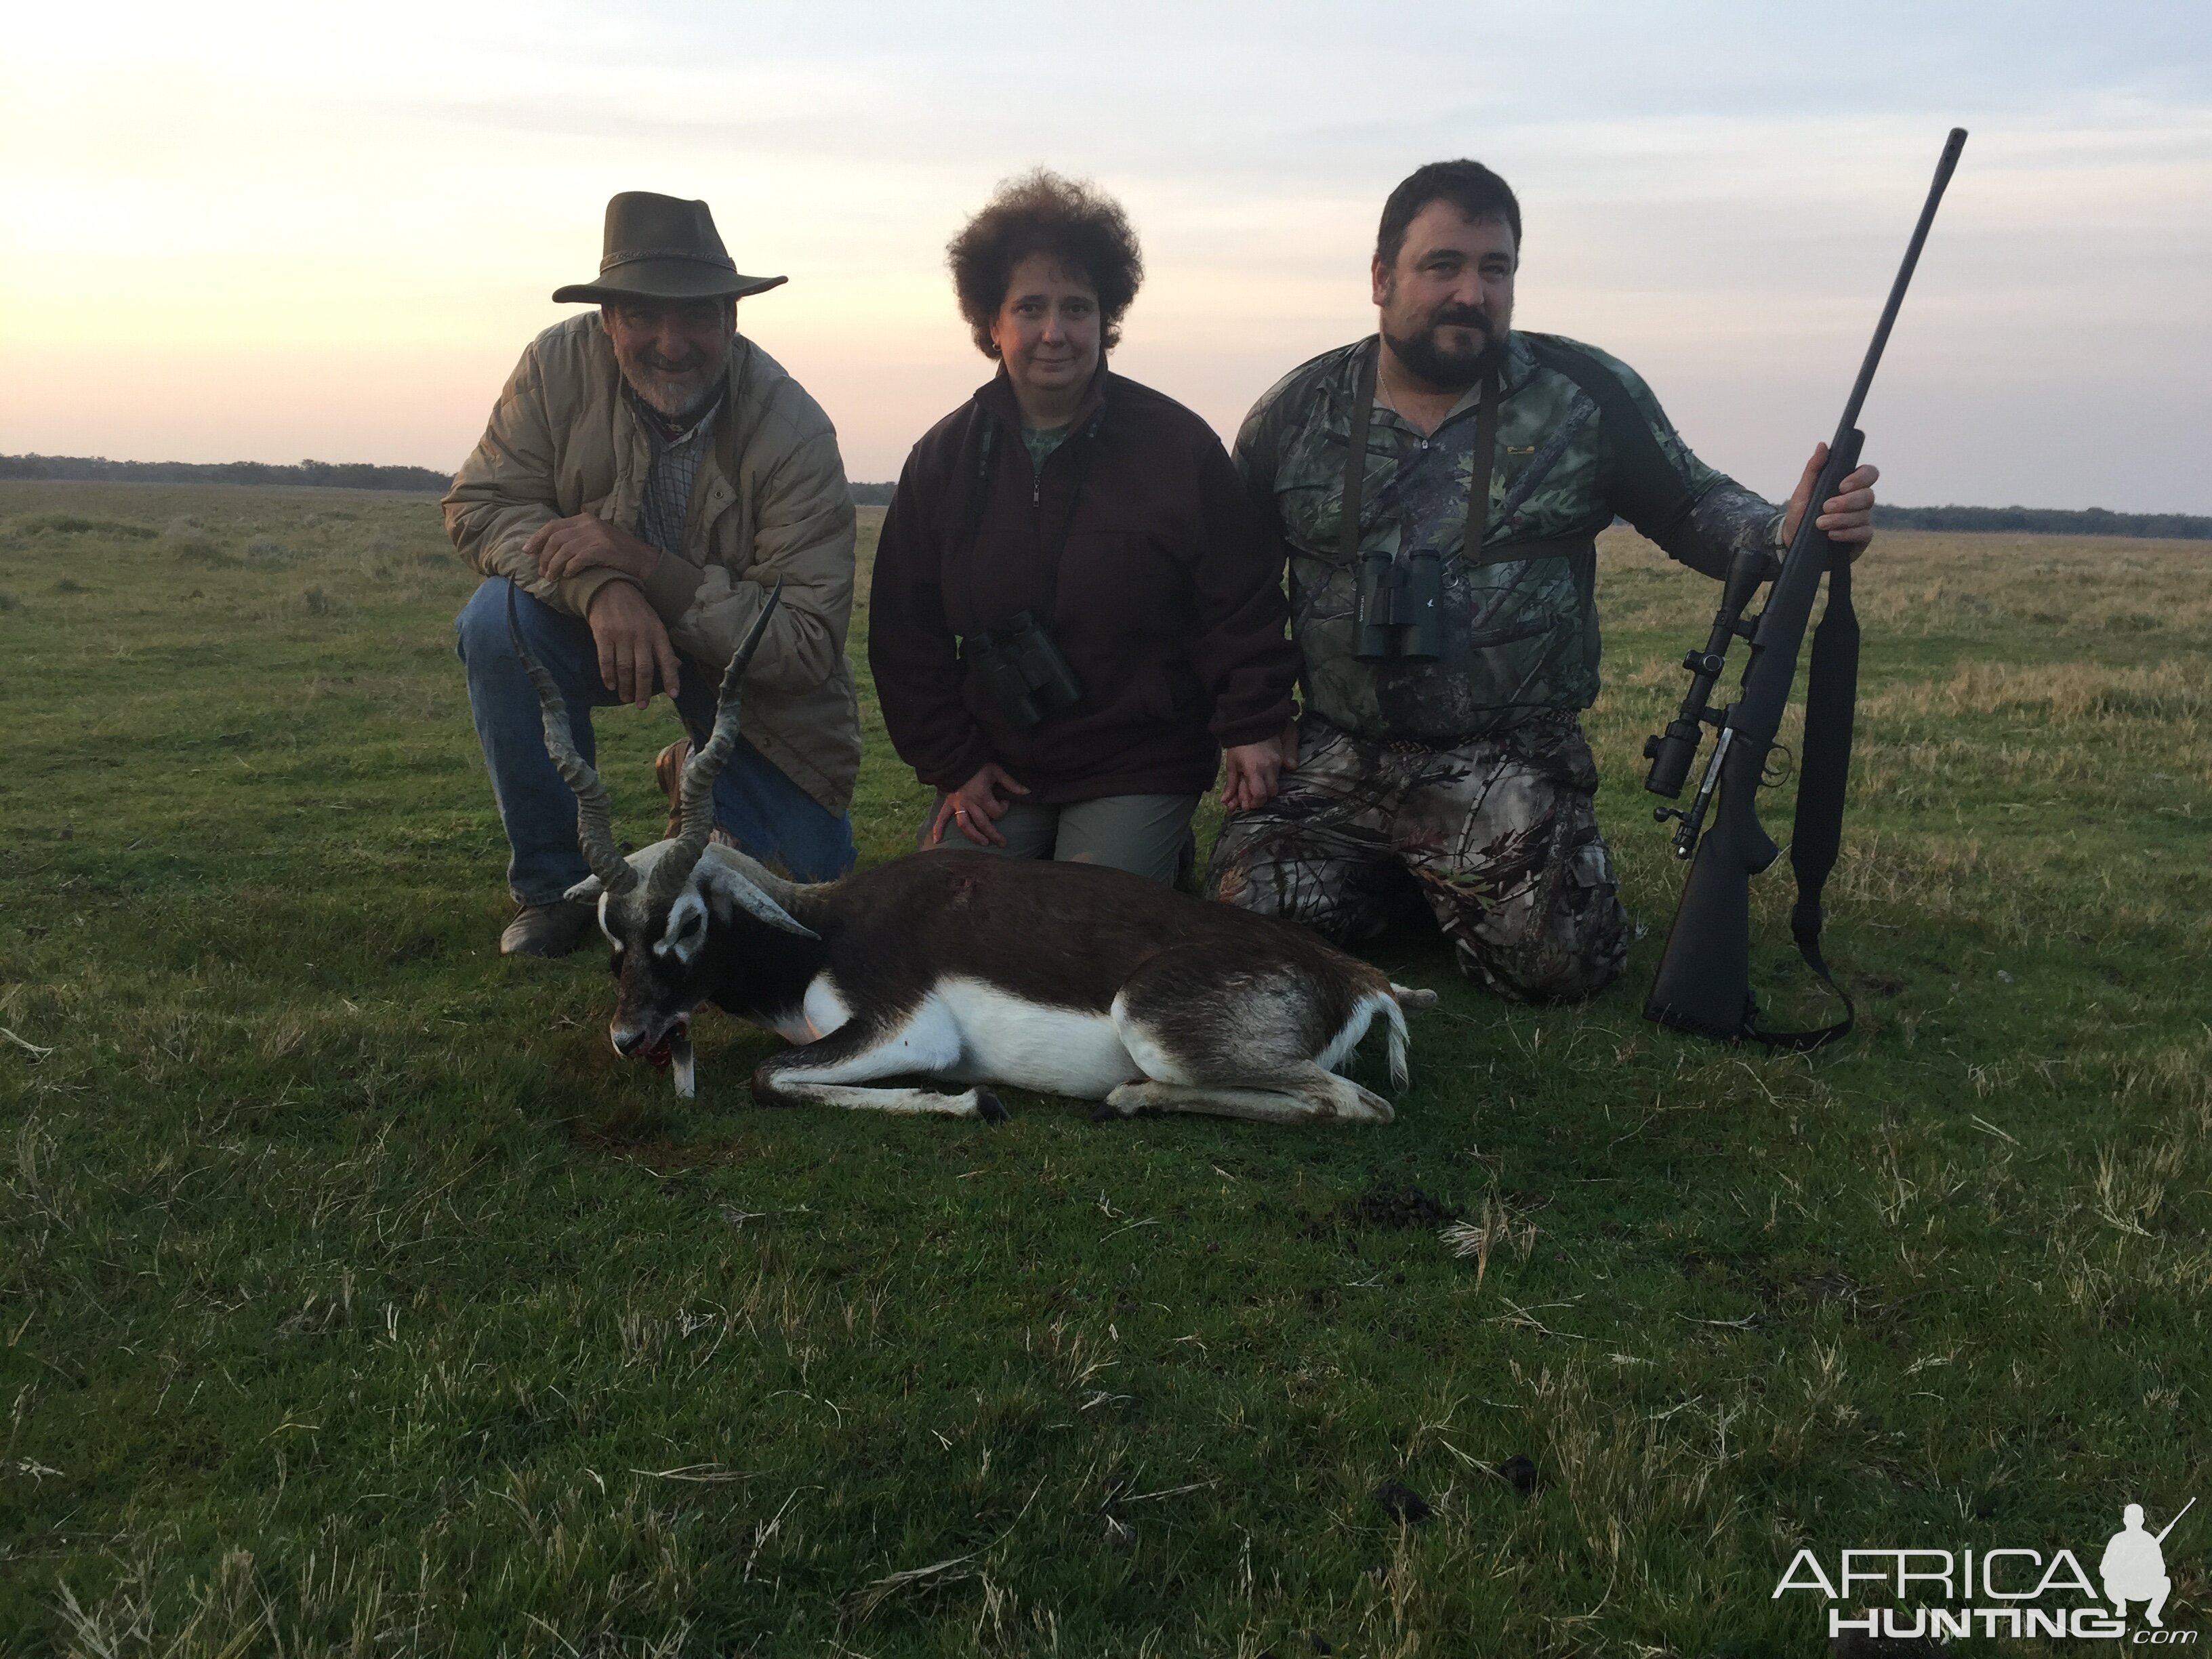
{"x":355,"y":1298}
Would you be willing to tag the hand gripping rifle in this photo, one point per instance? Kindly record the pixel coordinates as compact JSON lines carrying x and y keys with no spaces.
{"x":1705,"y":977}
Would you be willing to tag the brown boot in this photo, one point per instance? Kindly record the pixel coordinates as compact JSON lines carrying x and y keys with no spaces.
{"x":668,"y":773}
{"x":549,"y":930}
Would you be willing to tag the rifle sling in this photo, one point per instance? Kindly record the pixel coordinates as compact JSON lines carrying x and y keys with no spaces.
{"x":1816,"y":834}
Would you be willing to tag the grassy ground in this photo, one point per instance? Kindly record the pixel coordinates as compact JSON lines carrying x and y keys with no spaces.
{"x":353,"y":1297}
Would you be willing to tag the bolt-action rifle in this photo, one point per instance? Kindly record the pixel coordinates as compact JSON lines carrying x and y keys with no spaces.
{"x":1704,"y":984}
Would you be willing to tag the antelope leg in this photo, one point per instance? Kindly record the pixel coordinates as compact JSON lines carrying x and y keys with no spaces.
{"x":976,"y":1103}
{"x":834,"y":1070}
{"x":1306,"y":1095}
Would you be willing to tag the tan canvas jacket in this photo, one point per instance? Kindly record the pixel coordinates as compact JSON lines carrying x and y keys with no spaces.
{"x":770,"y":504}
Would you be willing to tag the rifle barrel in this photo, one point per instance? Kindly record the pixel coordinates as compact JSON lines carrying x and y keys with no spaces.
{"x":2176,"y":1521}
{"x":1944,"y":166}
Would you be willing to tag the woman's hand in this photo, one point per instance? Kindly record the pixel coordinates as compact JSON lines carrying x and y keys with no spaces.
{"x":1251,"y":772}
{"x":976,"y":806}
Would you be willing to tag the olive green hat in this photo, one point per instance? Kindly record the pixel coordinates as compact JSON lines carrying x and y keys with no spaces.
{"x":661,"y":247}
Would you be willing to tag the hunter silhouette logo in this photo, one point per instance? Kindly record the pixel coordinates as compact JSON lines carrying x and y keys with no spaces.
{"x":2133,"y":1567}
{"x":1998,"y":1592}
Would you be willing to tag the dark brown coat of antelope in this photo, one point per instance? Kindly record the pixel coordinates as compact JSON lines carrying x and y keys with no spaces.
{"x":1065,"y":979}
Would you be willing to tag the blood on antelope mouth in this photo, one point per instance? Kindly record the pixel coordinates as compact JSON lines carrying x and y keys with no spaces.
{"x":662,"y":1054}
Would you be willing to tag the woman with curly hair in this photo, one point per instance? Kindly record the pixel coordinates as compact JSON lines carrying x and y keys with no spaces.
{"x":1077,"y":613}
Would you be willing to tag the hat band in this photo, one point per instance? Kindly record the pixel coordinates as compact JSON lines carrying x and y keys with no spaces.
{"x":630,"y":256}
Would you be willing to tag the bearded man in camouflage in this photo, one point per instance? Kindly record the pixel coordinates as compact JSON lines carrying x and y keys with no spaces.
{"x":1464,"y":782}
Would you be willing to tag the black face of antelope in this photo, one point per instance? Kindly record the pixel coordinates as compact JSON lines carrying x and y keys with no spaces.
{"x":661,"y":970}
{"x":703,"y":942}
{"x":658,"y":907}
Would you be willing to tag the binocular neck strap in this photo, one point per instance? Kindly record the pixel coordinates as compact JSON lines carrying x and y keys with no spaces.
{"x":971,"y":526}
{"x":1355,"y":460}
{"x":979,"y":491}
{"x":1485,"y":459}
{"x":1355,"y":455}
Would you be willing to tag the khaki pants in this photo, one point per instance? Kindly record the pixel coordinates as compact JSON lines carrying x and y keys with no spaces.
{"x":1498,"y":838}
{"x":1145,"y":835}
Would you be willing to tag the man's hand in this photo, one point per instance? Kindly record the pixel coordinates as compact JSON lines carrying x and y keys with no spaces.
{"x":1252,"y":771}
{"x":633,"y":645}
{"x":976,"y":806}
{"x":568,"y":545}
{"x":1847,"y":518}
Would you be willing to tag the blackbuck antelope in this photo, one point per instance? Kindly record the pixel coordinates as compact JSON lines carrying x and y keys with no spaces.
{"x":969,"y":967}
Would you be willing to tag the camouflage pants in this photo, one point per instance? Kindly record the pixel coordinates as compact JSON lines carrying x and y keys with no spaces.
{"x":1497,"y":837}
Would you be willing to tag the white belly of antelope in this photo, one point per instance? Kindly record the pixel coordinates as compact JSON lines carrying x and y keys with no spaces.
{"x":1006,"y":1039}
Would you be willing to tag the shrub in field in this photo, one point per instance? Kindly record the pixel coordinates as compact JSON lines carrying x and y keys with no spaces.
{"x":72,"y":524}
{"x":8,"y":601}
{"x":267,"y":549}
{"x":188,"y":539}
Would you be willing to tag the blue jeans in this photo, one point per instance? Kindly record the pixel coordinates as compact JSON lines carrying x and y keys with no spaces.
{"x":765,"y":813}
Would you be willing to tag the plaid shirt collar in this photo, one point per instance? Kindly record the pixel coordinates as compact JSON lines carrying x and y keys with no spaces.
{"x":656,"y":424}
{"x":666,"y":502}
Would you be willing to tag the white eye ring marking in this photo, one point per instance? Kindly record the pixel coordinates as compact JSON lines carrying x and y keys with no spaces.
{"x":686,"y":930}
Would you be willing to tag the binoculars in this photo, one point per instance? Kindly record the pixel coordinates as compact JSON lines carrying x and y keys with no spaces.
{"x":1400,"y":614}
{"x":1023,"y":672}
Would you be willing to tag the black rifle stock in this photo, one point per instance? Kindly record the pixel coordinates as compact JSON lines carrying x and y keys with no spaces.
{"x":1704,"y":984}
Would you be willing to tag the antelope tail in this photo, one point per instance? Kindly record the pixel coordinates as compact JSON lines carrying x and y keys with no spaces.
{"x":1402,"y":998}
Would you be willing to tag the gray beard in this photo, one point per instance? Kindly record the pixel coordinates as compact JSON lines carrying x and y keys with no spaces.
{"x":677,"y":399}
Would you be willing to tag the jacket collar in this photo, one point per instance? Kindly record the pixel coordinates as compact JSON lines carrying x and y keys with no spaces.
{"x":996,"y":397}
{"x":656,"y":425}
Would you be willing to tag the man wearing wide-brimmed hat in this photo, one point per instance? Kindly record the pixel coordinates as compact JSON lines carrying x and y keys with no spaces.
{"x":648,"y":477}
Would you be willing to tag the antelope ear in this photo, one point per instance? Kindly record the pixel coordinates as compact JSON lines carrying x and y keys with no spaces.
{"x":748,"y":897}
{"x":589,"y":888}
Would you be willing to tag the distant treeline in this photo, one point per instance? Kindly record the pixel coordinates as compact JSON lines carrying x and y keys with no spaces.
{"x":2047,"y":522}
{"x":346,"y":475}
{"x":349,"y":474}
{"x":359,"y":475}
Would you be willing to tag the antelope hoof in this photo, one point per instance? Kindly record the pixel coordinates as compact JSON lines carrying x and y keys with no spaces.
{"x":990,"y":1107}
{"x":1125,"y":1100}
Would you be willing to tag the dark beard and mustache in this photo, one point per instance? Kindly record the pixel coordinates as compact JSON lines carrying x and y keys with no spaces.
{"x":1427,"y":360}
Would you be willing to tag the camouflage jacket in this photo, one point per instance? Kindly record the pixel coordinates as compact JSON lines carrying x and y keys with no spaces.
{"x":1580,"y":441}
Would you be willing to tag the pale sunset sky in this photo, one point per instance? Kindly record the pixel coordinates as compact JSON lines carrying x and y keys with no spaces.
{"x":239,"y":232}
